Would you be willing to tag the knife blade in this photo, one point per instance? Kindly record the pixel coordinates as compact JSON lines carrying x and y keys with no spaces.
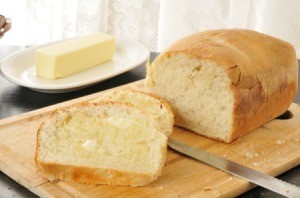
{"x":236,"y":169}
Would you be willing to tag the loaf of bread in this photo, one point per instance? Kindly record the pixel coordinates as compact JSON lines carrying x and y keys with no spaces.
{"x":225,"y":83}
{"x":155,"y":106}
{"x":111,"y":143}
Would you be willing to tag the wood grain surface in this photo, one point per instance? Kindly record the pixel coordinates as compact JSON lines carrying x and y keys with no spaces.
{"x":272,"y":149}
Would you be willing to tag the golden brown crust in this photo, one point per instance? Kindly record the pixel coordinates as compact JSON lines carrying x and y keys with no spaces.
{"x":89,"y":175}
{"x":263,"y":71}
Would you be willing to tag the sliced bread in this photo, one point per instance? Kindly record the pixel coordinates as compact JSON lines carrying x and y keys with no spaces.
{"x":155,"y":106}
{"x":111,"y":143}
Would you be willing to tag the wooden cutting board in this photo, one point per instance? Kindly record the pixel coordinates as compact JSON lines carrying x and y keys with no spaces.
{"x":273,"y":149}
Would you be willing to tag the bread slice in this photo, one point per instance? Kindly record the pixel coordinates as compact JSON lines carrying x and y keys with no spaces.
{"x":105,"y":143}
{"x":225,"y":83}
{"x":155,"y":106}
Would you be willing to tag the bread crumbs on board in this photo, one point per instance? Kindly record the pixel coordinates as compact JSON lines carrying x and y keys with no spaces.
{"x":280,"y":142}
{"x":207,"y":188}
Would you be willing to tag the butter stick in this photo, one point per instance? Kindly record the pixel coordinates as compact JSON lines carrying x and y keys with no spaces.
{"x":75,"y":55}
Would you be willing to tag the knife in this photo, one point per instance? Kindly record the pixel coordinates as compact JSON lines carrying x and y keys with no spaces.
{"x":239,"y":170}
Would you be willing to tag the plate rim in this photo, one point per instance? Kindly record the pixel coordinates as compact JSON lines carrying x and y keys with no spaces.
{"x":68,"y":86}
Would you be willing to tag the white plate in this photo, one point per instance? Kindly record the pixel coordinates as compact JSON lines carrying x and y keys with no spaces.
{"x":19,"y":68}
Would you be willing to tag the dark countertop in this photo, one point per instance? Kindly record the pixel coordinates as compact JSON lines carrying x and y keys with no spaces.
{"x":15,"y":100}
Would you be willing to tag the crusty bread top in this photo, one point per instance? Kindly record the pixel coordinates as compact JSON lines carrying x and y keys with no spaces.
{"x":242,"y":53}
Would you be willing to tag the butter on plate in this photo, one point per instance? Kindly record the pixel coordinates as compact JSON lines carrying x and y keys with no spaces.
{"x":75,"y":55}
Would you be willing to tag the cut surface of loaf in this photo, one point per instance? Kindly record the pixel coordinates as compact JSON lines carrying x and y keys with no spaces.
{"x":157,"y":107}
{"x":106,"y":143}
{"x":225,"y":83}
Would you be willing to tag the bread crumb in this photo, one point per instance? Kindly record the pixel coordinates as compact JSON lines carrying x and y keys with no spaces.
{"x":230,"y":178}
{"x":249,"y":155}
{"x":280,"y":142}
{"x":207,"y":188}
{"x":160,"y":188}
{"x":53,"y":180}
{"x":255,"y":164}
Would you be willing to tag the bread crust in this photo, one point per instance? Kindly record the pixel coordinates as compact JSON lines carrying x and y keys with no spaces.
{"x":263,"y":71}
{"x":95,"y":175}
{"x":90,"y":175}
